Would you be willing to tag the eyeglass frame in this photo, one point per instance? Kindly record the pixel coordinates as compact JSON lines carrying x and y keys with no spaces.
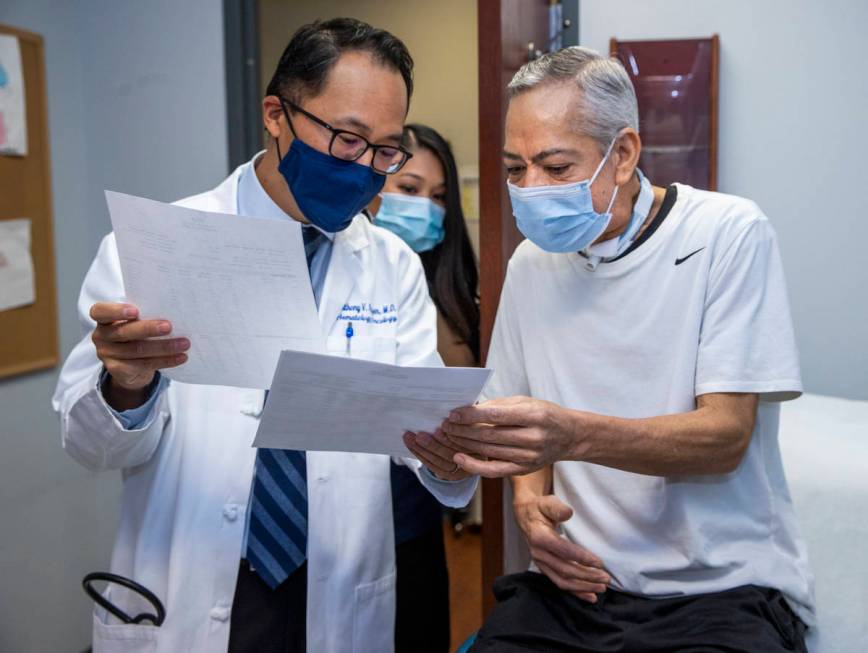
{"x":335,"y":132}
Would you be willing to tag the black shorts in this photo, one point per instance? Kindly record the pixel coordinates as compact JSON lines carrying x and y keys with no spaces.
{"x":532,"y":614}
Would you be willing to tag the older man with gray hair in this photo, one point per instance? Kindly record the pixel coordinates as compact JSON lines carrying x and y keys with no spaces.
{"x":642,"y":346}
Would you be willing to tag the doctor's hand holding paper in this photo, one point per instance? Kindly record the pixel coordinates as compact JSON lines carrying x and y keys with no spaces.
{"x":132,"y":351}
{"x":438,"y":454}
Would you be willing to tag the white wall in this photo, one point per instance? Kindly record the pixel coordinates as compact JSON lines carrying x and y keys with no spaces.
{"x":136,"y":103}
{"x":793,"y":106}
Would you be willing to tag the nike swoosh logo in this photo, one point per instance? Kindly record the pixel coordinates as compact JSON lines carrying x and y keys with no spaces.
{"x":679,"y":261}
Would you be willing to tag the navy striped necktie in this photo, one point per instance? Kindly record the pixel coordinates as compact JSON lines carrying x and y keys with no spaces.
{"x":277,"y":529}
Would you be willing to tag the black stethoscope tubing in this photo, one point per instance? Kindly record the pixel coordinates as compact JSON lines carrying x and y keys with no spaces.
{"x":144,"y":592}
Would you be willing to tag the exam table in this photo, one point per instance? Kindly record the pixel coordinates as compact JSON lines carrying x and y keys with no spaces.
{"x":824,"y":444}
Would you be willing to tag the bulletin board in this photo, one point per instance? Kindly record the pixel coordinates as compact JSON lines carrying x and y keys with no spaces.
{"x":28,"y":333}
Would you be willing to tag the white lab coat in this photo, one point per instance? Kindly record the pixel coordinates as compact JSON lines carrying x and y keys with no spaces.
{"x":187,"y":472}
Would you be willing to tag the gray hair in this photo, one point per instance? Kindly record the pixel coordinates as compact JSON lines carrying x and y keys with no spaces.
{"x":608,"y":102}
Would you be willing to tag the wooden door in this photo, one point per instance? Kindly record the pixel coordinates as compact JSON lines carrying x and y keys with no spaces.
{"x":510,"y":33}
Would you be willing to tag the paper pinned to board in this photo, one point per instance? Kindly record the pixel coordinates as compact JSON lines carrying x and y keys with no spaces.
{"x":17,"y":282}
{"x":13,"y":114}
{"x":237,"y":287}
{"x":333,"y":403}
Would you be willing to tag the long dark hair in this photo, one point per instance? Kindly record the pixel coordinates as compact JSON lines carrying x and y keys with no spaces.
{"x":451,"y":266}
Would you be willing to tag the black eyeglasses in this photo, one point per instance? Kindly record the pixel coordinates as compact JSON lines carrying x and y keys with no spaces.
{"x":349,"y":146}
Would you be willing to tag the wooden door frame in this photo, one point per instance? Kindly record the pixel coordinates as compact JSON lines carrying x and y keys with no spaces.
{"x":505,"y":29}
{"x":493,"y":207}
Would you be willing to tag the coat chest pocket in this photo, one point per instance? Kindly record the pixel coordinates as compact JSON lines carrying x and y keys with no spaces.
{"x":373,"y":348}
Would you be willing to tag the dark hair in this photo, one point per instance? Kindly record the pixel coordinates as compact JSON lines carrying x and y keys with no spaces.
{"x":451,"y":266}
{"x":315,"y":48}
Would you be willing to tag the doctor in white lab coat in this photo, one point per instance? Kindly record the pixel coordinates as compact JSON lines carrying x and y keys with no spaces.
{"x":185,"y":450}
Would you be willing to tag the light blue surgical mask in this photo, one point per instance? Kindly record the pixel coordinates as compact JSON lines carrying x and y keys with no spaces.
{"x":418,"y":221}
{"x":561,"y":218}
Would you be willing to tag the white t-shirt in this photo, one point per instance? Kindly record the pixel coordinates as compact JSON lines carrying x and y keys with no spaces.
{"x":699,"y":307}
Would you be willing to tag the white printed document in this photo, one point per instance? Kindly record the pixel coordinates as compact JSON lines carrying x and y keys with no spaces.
{"x":17,"y":284}
{"x":238,"y":287}
{"x":332,"y":403}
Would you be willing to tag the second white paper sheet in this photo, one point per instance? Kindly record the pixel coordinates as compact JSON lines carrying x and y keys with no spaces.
{"x":332,"y":403}
{"x":238,"y":287}
{"x":17,"y":281}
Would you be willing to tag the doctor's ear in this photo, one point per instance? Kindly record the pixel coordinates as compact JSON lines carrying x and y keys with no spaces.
{"x":272,"y":115}
{"x":627,"y":150}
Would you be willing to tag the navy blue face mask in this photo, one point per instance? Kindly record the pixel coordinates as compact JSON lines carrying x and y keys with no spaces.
{"x":329,"y":191}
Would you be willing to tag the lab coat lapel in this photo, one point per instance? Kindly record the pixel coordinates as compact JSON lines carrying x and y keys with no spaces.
{"x":345,"y":268}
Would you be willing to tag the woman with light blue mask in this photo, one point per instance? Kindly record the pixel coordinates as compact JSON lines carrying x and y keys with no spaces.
{"x":422,"y":205}
{"x":417,"y":220}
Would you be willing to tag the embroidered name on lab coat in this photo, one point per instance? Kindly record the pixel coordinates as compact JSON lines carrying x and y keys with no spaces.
{"x":369,"y":313}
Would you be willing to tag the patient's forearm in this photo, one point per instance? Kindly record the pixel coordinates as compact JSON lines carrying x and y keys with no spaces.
{"x":709,"y":440}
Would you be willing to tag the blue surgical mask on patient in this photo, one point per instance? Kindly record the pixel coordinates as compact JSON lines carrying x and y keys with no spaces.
{"x":418,"y":221}
{"x":561,"y":218}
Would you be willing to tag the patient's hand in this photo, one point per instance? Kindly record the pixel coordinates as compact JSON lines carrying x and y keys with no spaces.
{"x":513,"y":435}
{"x":569,"y":566}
